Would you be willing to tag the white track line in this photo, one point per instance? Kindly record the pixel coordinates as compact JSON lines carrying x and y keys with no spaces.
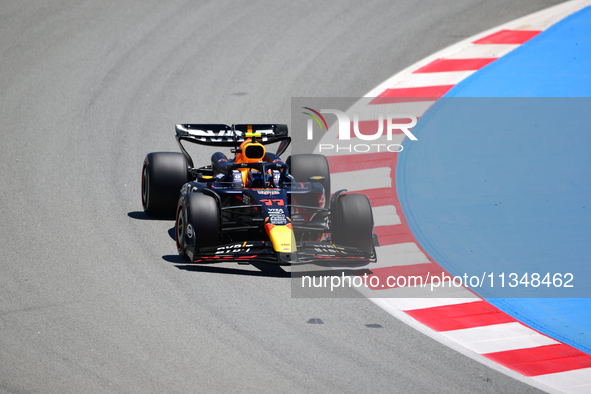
{"x":577,"y":381}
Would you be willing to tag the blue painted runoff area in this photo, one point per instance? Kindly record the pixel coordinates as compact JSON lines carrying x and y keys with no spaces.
{"x":499,"y":181}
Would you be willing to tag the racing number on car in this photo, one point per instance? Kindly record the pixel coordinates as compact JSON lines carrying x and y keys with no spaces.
{"x":269,"y":201}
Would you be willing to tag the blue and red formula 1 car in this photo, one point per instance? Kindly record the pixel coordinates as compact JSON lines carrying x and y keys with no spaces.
{"x":255,"y":207}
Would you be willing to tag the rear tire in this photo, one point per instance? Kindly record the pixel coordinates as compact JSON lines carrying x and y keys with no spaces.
{"x":163,"y":175}
{"x":304,"y":166}
{"x":352,"y":222}
{"x":197,"y":224}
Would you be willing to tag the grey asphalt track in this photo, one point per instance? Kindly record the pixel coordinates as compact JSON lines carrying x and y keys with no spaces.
{"x":92,"y":296}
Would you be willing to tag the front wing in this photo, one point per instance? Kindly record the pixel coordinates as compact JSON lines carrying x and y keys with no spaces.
{"x":263,"y":252}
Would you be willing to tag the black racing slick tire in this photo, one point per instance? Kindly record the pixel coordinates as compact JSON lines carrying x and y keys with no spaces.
{"x":197,"y":225}
{"x":163,"y":175}
{"x":304,"y":166}
{"x":352,"y":222}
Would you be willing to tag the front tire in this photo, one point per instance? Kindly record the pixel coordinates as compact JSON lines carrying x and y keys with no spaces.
{"x":352,"y":222}
{"x":197,"y":224}
{"x":163,"y":175}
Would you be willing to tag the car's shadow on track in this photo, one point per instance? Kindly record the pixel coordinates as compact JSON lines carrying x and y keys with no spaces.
{"x":141,"y":215}
{"x":172,"y":234}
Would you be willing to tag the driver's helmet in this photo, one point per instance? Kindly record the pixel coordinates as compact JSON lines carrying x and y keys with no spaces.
{"x":256,"y":179}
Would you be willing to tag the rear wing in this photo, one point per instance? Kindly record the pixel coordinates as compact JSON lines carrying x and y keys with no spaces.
{"x":232,"y":136}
